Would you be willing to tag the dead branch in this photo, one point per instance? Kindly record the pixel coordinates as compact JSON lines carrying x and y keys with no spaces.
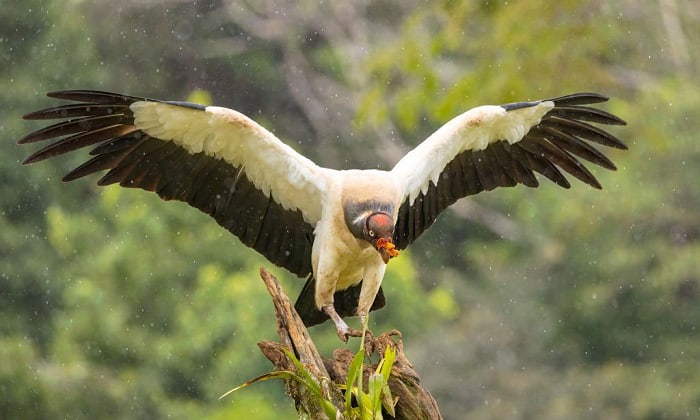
{"x":414,"y":402}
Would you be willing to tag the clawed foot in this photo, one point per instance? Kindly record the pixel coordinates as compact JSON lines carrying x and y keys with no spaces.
{"x":345,"y":332}
{"x":341,"y":328}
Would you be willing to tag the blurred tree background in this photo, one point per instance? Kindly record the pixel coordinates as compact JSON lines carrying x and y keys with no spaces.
{"x":518,"y":303}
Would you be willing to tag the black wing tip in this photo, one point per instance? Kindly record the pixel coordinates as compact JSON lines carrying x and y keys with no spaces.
{"x":41,"y":155}
{"x":58,"y":94}
{"x":94,"y":96}
{"x":595,"y":184}
{"x":72,"y":176}
{"x":615,"y":143}
{"x":31,"y":115}
{"x":589,"y":98}
{"x":26,"y":139}
{"x":579,"y":98}
{"x":103,"y":97}
{"x":68,"y":94}
{"x":591,"y":181}
{"x":76,"y":95}
{"x":563,"y":182}
{"x":618,"y":121}
{"x":33,"y":158}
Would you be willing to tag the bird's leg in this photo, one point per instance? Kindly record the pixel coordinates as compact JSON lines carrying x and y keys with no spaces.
{"x":371,"y":282}
{"x":368,"y":337}
{"x":343,"y":330}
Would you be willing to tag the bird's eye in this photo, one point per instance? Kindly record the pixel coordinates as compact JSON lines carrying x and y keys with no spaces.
{"x":371,"y":233}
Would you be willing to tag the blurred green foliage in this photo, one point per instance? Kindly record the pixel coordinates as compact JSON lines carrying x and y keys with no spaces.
{"x":520,"y":303}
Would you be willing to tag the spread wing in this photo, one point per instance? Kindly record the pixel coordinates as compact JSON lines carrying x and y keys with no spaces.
{"x":215,"y":159}
{"x":501,"y":146}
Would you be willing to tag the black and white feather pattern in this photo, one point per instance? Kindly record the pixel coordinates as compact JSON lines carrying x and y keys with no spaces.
{"x":549,"y":143}
{"x":289,"y":209}
{"x":208,"y":182}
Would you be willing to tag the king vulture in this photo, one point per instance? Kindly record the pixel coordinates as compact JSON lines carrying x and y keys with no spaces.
{"x":337,"y":228}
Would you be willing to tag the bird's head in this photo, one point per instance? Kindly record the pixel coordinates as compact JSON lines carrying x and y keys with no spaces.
{"x":378,"y":230}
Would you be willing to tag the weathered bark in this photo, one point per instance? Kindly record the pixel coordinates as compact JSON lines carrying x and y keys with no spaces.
{"x":296,"y":339}
{"x":414,"y":402}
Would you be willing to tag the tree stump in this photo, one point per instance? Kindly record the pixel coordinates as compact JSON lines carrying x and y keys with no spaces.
{"x":414,"y":402}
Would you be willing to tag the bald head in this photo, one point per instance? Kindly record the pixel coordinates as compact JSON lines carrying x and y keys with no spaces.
{"x":371,"y":221}
{"x":379,"y":225}
{"x":380,"y":232}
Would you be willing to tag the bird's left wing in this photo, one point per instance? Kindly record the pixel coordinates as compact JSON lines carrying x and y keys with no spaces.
{"x":215,"y":159}
{"x":500,"y":146}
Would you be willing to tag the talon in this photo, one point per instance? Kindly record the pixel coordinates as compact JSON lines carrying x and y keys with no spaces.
{"x":348,"y":332}
{"x":341,"y":328}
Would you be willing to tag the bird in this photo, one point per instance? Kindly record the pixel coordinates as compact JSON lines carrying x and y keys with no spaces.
{"x":338,"y":229}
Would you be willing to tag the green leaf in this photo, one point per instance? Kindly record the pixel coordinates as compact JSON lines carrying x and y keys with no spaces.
{"x":384,"y":368}
{"x":280,"y":374}
{"x":354,"y":372}
{"x":387,"y":362}
{"x":313,"y":386}
{"x":374,"y":387}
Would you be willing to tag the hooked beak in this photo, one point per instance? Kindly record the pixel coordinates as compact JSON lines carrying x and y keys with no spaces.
{"x":386,"y":249}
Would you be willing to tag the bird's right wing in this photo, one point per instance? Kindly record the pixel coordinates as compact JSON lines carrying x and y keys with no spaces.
{"x":215,"y":159}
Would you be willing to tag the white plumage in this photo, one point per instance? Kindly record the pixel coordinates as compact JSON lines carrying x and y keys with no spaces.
{"x":472,"y":130}
{"x":342,"y":227}
{"x":295,"y":181}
